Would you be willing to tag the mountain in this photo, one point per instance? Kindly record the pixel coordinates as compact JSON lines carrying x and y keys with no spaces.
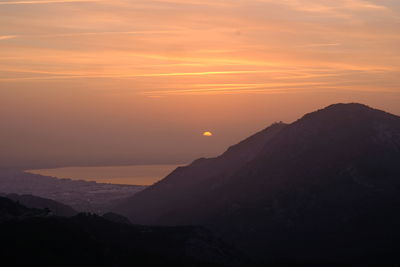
{"x":325,"y":188}
{"x":32,"y":237}
{"x":56,"y":208}
{"x":188,"y":184}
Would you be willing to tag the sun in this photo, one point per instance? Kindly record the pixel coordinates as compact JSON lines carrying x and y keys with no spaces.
{"x":207,"y":134}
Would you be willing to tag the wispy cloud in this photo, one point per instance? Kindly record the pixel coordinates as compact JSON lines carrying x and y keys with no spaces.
{"x":133,"y":75}
{"x":6,"y":37}
{"x":44,"y":2}
{"x":75,"y":34}
{"x":322,"y":45}
{"x":212,"y":3}
{"x":234,"y":88}
{"x":336,"y":7}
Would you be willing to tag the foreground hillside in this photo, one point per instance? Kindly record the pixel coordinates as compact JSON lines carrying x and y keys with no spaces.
{"x":31,"y":237}
{"x":325,"y":189}
{"x":30,"y":201}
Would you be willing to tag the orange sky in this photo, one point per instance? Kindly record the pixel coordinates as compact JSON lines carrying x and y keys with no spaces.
{"x":137,"y":79}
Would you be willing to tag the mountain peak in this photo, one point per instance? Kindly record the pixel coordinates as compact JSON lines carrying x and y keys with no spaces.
{"x":347,"y":106}
{"x":344,"y":108}
{"x":346,"y":113}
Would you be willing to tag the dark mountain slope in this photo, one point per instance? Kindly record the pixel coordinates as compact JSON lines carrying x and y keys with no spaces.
{"x":11,"y":210}
{"x":55,"y":207}
{"x":30,"y":237}
{"x":325,"y":188}
{"x":187,"y":184}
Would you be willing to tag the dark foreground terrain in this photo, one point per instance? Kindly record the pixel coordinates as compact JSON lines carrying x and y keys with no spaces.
{"x":32,"y":237}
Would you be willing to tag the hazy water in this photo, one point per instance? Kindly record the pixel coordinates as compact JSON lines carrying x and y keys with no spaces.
{"x":135,"y":175}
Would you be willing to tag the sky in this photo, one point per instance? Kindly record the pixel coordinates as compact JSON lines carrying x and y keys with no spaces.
{"x":86,"y":82}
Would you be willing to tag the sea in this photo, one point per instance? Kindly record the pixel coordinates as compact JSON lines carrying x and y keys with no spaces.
{"x":131,"y":175}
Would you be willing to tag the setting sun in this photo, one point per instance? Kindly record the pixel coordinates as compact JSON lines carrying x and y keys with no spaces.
{"x":207,"y":134}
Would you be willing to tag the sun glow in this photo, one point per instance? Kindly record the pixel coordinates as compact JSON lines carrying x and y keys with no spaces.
{"x":207,"y":134}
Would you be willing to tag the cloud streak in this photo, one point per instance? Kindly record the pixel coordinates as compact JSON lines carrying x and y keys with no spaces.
{"x":7,"y":37}
{"x":45,"y":2}
{"x":177,"y":74}
{"x":328,"y":6}
{"x":77,"y":34}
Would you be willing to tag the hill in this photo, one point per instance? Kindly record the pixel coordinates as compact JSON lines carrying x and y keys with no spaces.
{"x":32,"y":237}
{"x":30,"y":201}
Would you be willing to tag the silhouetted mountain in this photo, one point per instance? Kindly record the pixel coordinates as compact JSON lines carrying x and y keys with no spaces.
{"x":188,"y":184}
{"x":55,"y":207}
{"x":325,"y":188}
{"x":31,"y":237}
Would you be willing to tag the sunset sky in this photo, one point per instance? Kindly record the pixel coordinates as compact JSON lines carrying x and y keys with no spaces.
{"x":89,"y":81}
